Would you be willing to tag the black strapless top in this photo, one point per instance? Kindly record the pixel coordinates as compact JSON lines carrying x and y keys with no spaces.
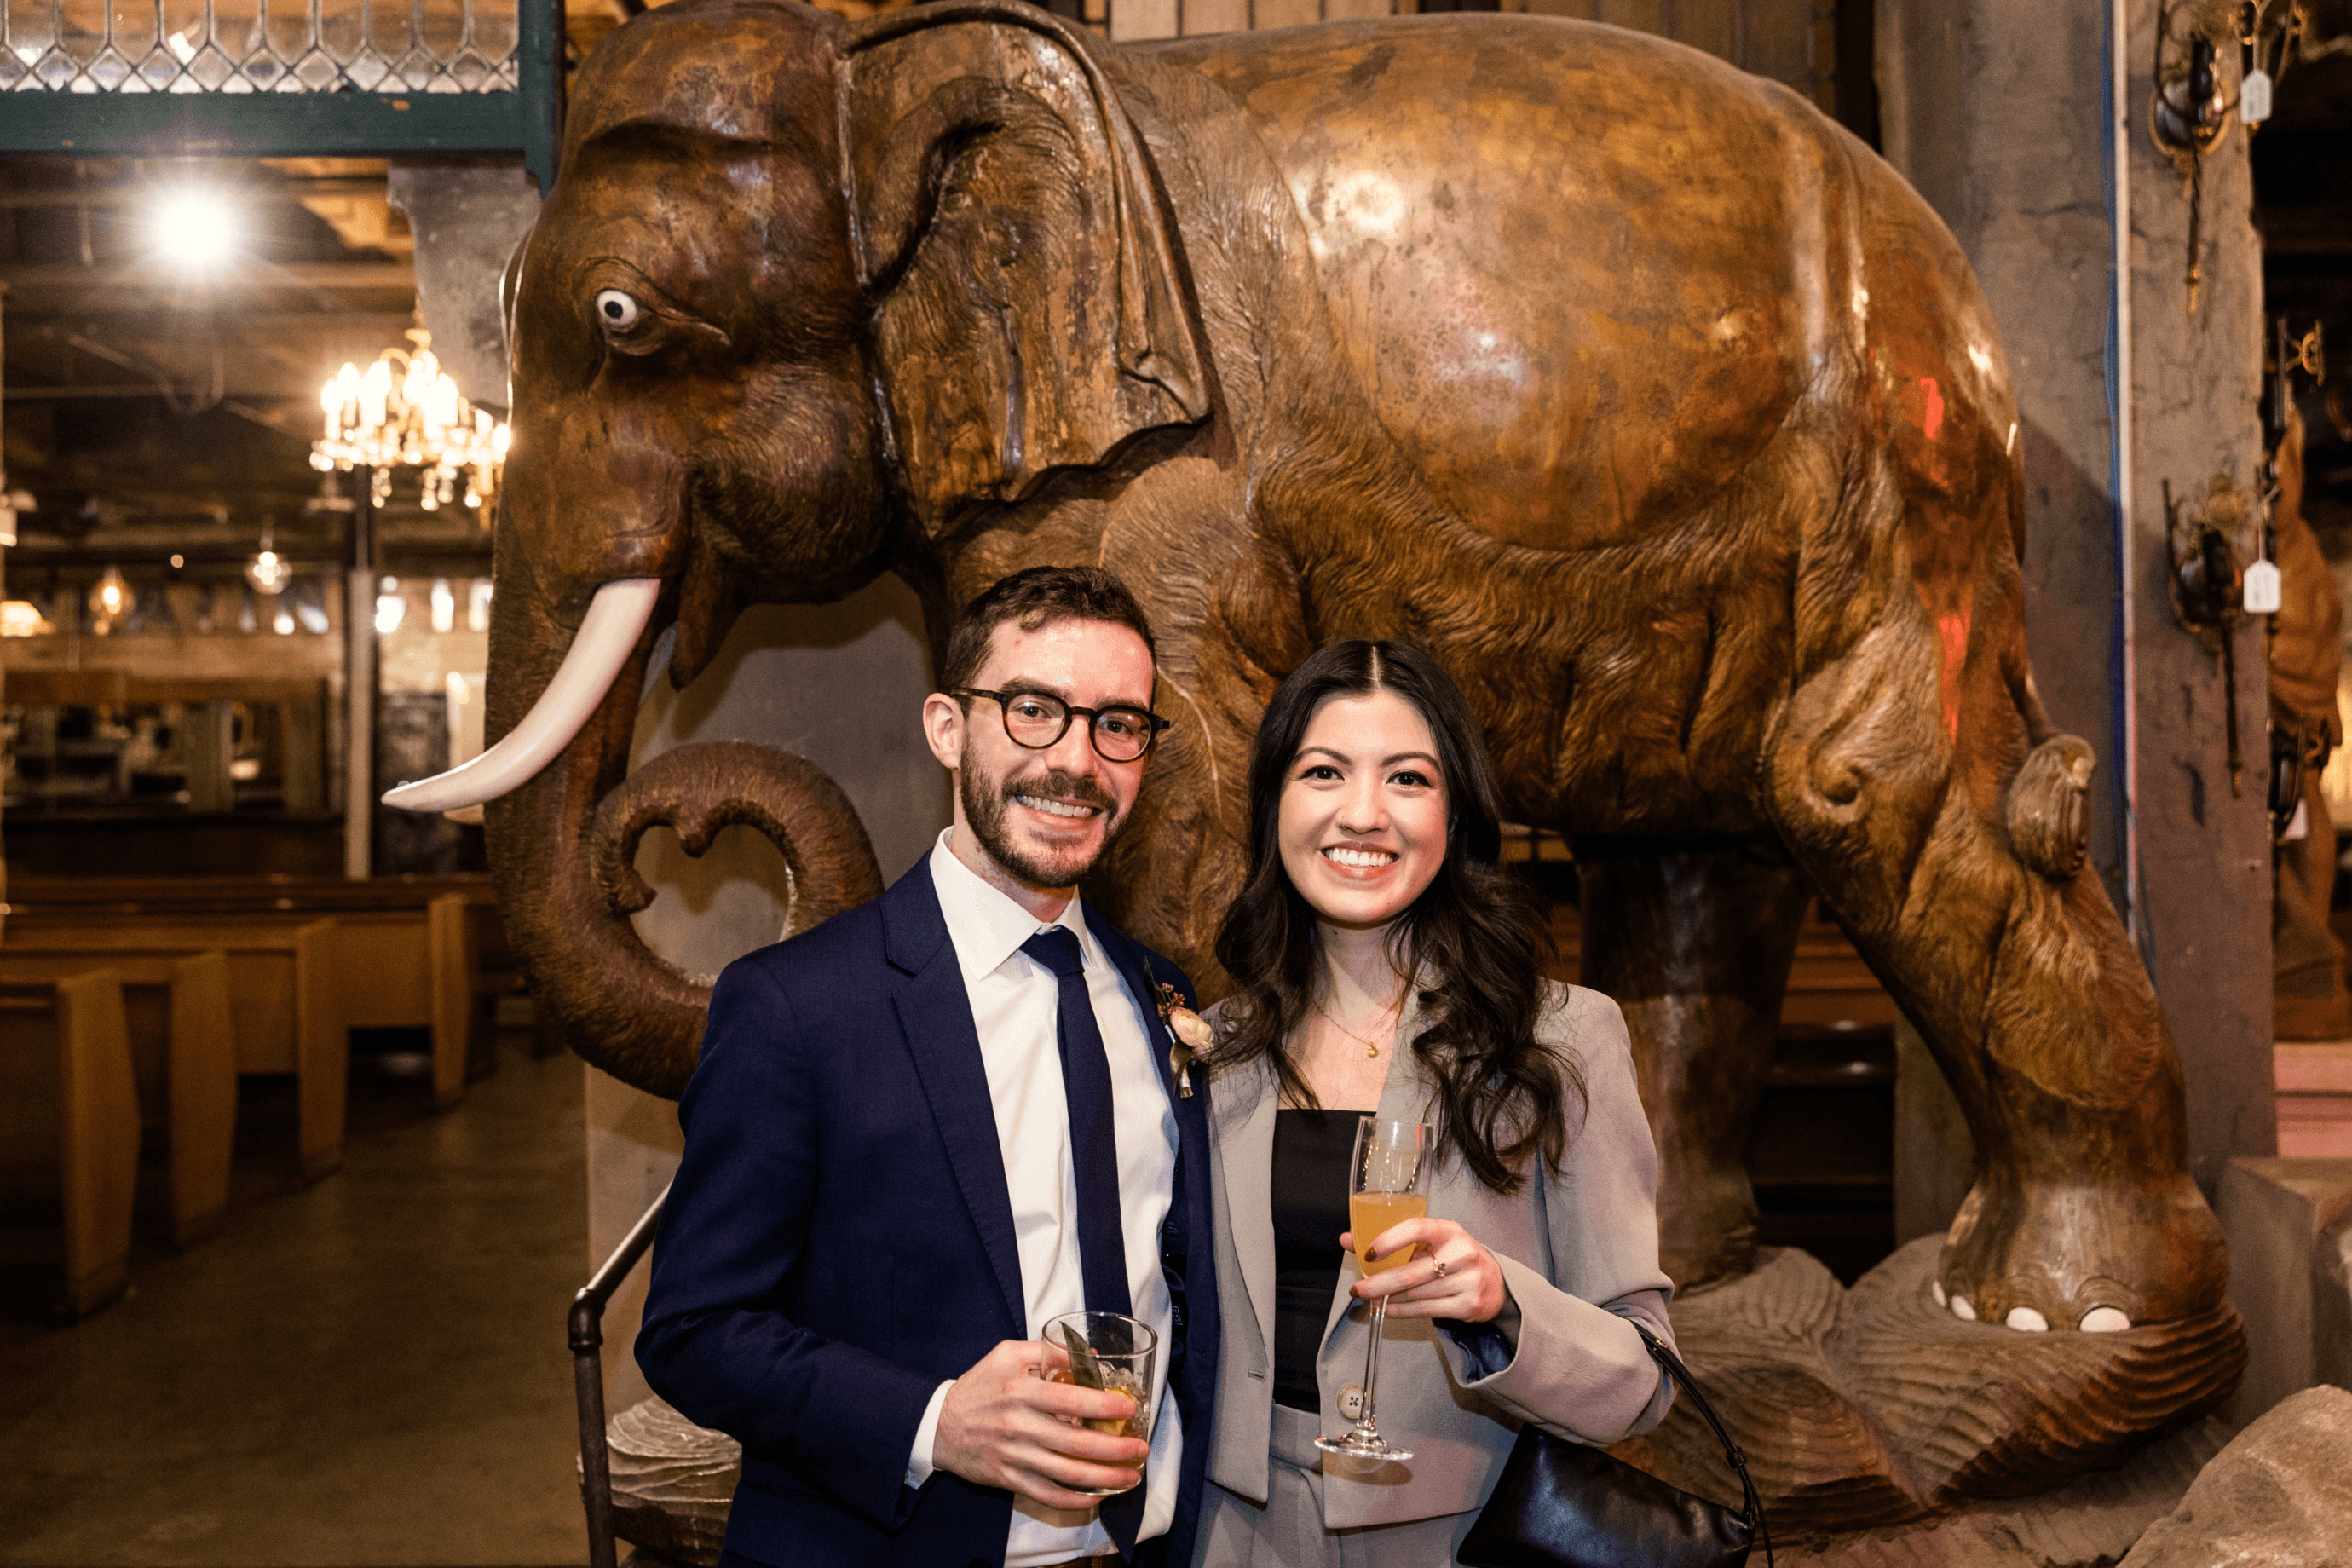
{"x":1311,"y":1151}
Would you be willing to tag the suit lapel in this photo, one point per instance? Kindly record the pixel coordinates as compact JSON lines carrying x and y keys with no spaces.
{"x":1246,"y":1152}
{"x":934,"y":1015}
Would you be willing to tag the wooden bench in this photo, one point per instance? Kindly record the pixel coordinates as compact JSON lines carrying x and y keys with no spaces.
{"x":183,"y":1054}
{"x":299,"y":982}
{"x":69,"y":1124}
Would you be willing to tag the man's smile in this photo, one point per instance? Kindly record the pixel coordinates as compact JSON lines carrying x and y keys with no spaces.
{"x":1057,"y":807}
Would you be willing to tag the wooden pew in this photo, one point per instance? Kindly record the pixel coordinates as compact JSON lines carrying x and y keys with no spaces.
{"x":490,"y":968}
{"x":299,"y":982}
{"x":69,"y":1123}
{"x":183,"y":1054}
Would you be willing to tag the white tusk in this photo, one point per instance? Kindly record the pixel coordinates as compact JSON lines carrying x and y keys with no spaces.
{"x":608,"y":634}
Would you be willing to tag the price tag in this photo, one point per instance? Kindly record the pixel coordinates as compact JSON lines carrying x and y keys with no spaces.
{"x":2262,"y":594}
{"x":2255,"y":97}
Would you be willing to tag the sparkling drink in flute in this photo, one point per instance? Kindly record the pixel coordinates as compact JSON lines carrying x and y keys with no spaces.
{"x":1384,"y":1189}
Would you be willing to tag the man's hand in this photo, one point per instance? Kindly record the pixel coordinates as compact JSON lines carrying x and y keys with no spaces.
{"x":1003,"y":1425}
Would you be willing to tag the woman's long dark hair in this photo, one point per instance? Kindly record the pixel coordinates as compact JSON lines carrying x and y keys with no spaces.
{"x":1476,"y":938}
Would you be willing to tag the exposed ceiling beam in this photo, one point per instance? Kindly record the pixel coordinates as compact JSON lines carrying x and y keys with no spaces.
{"x":149,"y":280}
{"x":140,"y":193}
{"x":18,"y":393}
{"x":124,"y":324}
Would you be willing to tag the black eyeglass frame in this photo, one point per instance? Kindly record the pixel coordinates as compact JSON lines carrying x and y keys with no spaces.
{"x":1154,"y":724}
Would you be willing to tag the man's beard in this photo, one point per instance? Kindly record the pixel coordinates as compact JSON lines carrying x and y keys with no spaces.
{"x":985,"y":810}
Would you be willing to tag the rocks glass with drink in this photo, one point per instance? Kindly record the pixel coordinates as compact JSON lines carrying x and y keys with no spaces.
{"x":1109,"y":1351}
{"x":1385,"y":1189}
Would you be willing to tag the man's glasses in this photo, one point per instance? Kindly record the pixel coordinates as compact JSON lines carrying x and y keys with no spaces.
{"x":1038,"y":719}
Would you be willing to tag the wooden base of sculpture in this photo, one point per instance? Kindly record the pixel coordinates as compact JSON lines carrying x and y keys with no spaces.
{"x":1876,"y":1407}
{"x":1880,"y":1429}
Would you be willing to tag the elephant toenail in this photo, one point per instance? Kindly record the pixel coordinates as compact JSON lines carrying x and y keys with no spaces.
{"x":1962,"y":1311}
{"x":1937,"y":1286}
{"x":2103,"y":1320}
{"x":2025,"y":1320}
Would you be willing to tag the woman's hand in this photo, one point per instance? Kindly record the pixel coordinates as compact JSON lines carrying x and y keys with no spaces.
{"x":1450,"y":1277}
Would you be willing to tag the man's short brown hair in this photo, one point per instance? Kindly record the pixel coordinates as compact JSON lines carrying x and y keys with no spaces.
{"x":1034,"y":597}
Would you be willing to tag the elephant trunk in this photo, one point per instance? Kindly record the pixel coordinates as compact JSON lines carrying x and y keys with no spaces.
{"x":561,"y":841}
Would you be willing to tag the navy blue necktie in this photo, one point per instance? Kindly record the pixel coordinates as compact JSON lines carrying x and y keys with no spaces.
{"x":1094,"y":1144}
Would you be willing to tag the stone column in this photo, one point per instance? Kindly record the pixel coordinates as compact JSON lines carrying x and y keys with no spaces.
{"x":2000,"y":112}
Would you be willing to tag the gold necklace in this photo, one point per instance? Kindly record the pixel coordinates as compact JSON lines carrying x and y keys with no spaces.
{"x":1371,"y":1050}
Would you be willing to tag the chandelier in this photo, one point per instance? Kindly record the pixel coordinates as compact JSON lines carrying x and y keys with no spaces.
{"x":404,"y":411}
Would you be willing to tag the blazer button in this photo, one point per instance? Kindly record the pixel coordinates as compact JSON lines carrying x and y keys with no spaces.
{"x":1351,"y":1402}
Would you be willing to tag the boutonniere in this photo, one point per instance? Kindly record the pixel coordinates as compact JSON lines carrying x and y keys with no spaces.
{"x":1189,"y":1033}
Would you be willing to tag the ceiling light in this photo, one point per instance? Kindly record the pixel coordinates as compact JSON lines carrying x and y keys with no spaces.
{"x":23,"y":618}
{"x":404,"y":411}
{"x":110,"y":598}
{"x":193,"y":230}
{"x":268,"y":571}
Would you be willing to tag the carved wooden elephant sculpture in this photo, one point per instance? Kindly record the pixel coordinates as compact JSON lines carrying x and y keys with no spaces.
{"x":1656,"y":405}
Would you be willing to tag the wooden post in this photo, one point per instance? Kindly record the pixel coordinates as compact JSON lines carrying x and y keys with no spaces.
{"x":359,"y":682}
{"x":210,"y":745}
{"x":298,"y":724}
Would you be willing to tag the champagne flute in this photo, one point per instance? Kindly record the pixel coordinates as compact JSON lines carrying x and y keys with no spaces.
{"x":1384,"y":1189}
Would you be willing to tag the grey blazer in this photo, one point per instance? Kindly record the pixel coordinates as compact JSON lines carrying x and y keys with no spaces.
{"x":1580,"y":1254}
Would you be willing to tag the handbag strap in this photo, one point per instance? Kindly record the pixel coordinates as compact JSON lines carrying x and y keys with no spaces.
{"x":1678,"y":1372}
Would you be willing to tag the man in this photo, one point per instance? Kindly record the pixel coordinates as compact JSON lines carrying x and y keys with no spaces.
{"x":922,"y":1131}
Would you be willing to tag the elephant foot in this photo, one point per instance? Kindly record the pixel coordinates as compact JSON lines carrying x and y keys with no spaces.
{"x":2044,"y":1254}
{"x":1706,"y":1221}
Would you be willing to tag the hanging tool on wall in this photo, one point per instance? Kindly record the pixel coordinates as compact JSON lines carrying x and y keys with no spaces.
{"x":2297,"y":747}
{"x":2268,"y":32}
{"x":2210,"y":590}
{"x":2189,"y":112}
{"x":2188,"y":115}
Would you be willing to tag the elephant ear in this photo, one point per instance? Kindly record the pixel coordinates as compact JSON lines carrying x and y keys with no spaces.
{"x":1027,"y":308}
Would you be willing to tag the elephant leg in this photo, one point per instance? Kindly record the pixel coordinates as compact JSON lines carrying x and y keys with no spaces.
{"x":1949,"y":844}
{"x":1695,"y":945}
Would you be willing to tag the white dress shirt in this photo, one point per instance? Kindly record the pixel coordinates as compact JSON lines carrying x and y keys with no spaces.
{"x":1015,"y":1004}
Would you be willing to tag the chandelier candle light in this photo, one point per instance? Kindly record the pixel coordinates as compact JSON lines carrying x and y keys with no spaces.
{"x":404,"y":411}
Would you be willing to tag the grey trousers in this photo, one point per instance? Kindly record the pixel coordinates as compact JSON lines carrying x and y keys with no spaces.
{"x":1287,"y":1531}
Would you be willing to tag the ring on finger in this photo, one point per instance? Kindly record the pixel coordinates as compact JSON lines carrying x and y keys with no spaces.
{"x":1441,"y":1266}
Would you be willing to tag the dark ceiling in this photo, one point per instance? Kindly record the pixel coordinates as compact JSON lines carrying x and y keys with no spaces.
{"x":149,"y":416}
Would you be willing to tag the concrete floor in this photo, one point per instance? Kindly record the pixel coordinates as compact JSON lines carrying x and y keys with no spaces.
{"x":365,"y":1374}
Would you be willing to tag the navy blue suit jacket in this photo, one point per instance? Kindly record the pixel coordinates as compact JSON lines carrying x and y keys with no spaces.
{"x":839,"y":1240}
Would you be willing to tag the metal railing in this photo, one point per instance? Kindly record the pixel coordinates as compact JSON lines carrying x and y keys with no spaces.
{"x":282,"y":78}
{"x":585,"y":1327}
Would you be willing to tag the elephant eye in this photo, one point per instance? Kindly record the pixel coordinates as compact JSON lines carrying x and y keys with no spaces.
{"x":615,"y":311}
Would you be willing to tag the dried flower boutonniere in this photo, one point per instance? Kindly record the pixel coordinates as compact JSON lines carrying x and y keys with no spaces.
{"x":1189,"y":1032}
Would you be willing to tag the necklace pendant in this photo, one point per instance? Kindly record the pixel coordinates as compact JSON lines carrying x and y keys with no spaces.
{"x":1370,"y":1051}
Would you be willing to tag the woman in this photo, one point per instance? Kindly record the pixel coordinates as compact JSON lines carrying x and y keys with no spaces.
{"x":1383,"y":963}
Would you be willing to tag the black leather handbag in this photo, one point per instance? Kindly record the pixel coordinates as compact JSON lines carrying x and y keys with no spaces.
{"x":1560,"y":1504}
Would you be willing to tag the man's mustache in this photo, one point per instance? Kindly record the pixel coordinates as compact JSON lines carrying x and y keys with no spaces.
{"x":1058,"y":786}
